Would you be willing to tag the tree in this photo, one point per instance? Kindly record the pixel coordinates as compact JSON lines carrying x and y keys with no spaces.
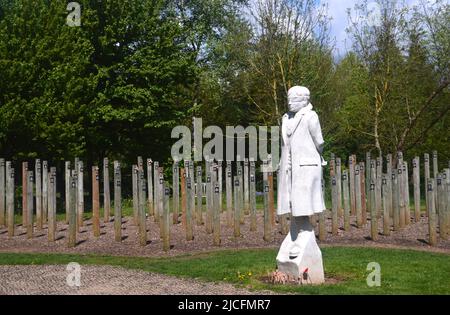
{"x":290,"y":48}
{"x":403,"y":79}
{"x":114,"y":86}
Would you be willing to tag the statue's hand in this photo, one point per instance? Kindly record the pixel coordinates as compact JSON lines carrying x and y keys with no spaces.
{"x":324,"y":163}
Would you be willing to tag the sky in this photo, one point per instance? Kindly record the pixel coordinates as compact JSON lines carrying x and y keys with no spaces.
{"x":337,"y":9}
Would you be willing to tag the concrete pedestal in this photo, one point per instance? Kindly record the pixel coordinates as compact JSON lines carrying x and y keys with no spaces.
{"x":299,"y":252}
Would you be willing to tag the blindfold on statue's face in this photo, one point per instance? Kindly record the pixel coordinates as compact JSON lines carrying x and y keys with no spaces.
{"x":297,"y":103}
{"x":298,"y":98}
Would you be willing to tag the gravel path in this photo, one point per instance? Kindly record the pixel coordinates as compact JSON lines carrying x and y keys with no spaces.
{"x":105,"y":280}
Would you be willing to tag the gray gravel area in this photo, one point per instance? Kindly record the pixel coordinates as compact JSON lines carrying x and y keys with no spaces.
{"x":414,"y":236}
{"x":105,"y":280}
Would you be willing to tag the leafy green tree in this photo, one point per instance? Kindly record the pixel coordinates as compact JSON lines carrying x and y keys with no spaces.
{"x":114,"y":86}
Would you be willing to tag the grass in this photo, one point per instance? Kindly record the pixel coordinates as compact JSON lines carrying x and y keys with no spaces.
{"x":402,"y":271}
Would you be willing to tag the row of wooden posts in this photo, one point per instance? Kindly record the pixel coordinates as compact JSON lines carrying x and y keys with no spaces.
{"x":188,"y":191}
{"x":151,"y":196}
{"x":357,"y":191}
{"x":369,"y":191}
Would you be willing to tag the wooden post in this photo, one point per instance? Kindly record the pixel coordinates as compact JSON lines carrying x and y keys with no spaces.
{"x":237,"y":214}
{"x":189,"y":227}
{"x":214,"y":177}
{"x":229,"y":193}
{"x":216,"y":215}
{"x":140,"y":165}
{"x":192,"y":199}
{"x":176,"y":192}
{"x":435,"y":174}
{"x":368,"y":174}
{"x":67,"y":189}
{"x":332,"y":174}
{"x":395,"y":200}
{"x":252,"y":197}
{"x":401,"y":189}
{"x":322,"y":215}
{"x":117,"y":202}
{"x":209,"y":200}
{"x":192,"y":176}
{"x":441,"y":211}
{"x":24,"y":194}
{"x":346,"y":197}
{"x":426,"y":168}
{"x":401,"y":198}
{"x":339,"y":186}
{"x":95,"y":201}
{"x":416,"y":179}
{"x":10,"y":198}
{"x":373,"y":176}
{"x":220,"y":180}
{"x":166,"y":218}
{"x":334,"y":210}
{"x":389,"y":184}
{"x":38,"y":188}
{"x":399,"y":159}
{"x":74,"y":173}
{"x":332,"y":165}
{"x":30,"y":204}
{"x":199,"y":211}
{"x":378,"y":200}
{"x":406,"y":193}
{"x":80,"y":194}
{"x":44,"y":191}
{"x":52,"y":205}
{"x":156,"y":190}
{"x":150,"y":186}
{"x":246,"y":189}
{"x":72,"y":229}
{"x":362,"y":172}
{"x":322,"y":230}
{"x":241,"y":192}
{"x":142,"y":190}
{"x":160,"y":200}
{"x":359,"y":217}
{"x":406,"y":169}
{"x":386,"y":215}
{"x":2,"y":193}
{"x":183,"y":195}
{"x":134,"y":178}
{"x":106,"y":192}
{"x":446,"y":201}
{"x":352,"y":186}
{"x":272,"y":205}
{"x":373,"y":212}
{"x":435,"y":165}
{"x":268,"y":236}
{"x":431,"y":212}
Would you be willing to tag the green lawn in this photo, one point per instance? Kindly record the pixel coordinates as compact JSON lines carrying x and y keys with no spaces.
{"x":402,"y":271}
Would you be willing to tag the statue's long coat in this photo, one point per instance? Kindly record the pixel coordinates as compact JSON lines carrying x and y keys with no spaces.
{"x":300,"y":190}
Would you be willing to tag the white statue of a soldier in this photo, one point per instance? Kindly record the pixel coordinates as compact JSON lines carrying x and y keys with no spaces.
{"x":300,"y":187}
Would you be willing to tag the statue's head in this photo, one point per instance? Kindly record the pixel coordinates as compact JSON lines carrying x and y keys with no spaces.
{"x":298,"y":97}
